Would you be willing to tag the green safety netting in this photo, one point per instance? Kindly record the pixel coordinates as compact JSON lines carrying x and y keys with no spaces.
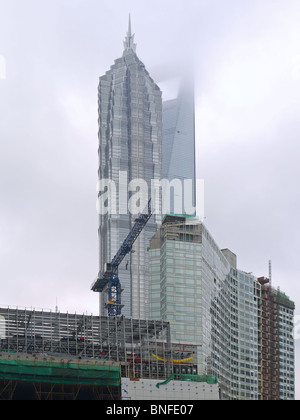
{"x":211,"y":380}
{"x":60,"y":372}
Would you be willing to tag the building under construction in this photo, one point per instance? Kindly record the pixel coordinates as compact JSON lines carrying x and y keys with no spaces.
{"x":277,"y":344}
{"x":50,"y":355}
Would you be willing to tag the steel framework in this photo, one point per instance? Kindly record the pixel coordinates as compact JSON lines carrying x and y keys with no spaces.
{"x":110,"y":276}
{"x":143,"y":348}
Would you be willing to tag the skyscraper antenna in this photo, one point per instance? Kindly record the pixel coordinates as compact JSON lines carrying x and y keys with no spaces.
{"x":56,"y":306}
{"x":129,"y":40}
{"x":270,"y":273}
{"x":129,"y":25}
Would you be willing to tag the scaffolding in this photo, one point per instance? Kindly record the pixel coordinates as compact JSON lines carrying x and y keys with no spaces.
{"x":271,"y":299}
{"x":142,"y":348}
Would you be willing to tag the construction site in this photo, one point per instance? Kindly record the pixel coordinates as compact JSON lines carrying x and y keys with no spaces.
{"x":271,"y":302}
{"x":53,"y":356}
{"x":47,"y":355}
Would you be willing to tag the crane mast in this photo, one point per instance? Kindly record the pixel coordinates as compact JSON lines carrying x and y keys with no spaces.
{"x":110,"y":277}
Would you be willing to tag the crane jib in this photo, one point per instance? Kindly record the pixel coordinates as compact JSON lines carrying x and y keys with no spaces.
{"x":110,"y":275}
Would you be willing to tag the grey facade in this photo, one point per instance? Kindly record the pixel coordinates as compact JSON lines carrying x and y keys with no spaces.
{"x":286,"y":310}
{"x":245,"y":351}
{"x":179,"y":161}
{"x":130,"y":143}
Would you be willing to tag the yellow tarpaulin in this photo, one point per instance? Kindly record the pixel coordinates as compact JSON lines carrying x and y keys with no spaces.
{"x":163,"y":359}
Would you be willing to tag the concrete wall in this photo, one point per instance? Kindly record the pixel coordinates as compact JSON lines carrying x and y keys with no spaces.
{"x":145,"y":389}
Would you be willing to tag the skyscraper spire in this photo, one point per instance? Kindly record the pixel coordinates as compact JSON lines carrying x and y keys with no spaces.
{"x":129,"y":40}
{"x":129,"y":25}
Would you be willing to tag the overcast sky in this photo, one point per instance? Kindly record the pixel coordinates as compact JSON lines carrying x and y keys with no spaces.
{"x":247,"y":65}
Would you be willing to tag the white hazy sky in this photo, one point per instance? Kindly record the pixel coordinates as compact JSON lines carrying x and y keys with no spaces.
{"x":247,"y":65}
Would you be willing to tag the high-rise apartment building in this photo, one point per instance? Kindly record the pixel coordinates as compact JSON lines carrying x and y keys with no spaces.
{"x":188,"y":287}
{"x":242,"y":330}
{"x":277,"y":355}
{"x":244,"y":307}
{"x":130,"y":149}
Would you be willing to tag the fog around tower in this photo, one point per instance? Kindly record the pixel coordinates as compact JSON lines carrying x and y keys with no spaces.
{"x":246,"y":62}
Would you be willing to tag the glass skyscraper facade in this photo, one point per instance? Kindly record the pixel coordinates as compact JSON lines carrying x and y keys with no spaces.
{"x":130,"y":148}
{"x":189,"y":288}
{"x":179,"y":146}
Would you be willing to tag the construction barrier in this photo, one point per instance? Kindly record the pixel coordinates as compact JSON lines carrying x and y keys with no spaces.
{"x":211,"y":380}
{"x":67,"y":372}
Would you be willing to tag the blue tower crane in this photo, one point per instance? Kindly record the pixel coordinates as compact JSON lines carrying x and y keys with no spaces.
{"x":110,"y":276}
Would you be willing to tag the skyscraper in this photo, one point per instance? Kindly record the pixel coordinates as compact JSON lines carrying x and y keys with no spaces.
{"x":188,"y":275}
{"x":130,"y":148}
{"x":179,"y":146}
